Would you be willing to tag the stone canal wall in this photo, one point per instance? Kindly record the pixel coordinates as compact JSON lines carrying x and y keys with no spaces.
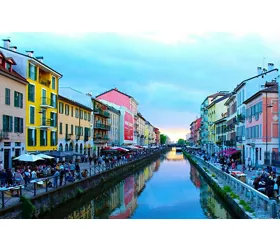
{"x":43,"y":203}
{"x":241,"y":214}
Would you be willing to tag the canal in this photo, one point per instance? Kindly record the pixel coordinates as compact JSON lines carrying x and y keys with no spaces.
{"x":169,"y":188}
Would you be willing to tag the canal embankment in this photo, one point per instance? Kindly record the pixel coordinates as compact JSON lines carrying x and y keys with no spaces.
{"x":245,"y":201}
{"x":38,"y":206}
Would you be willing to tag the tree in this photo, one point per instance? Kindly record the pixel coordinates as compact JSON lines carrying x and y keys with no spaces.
{"x":181,"y":142}
{"x":163,"y":138}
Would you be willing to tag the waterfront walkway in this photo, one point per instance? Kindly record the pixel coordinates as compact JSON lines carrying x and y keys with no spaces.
{"x":11,"y":196}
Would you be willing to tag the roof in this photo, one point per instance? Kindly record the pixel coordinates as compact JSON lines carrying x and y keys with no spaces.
{"x":63,"y":98}
{"x":231,"y":98}
{"x":113,"y":109}
{"x":218,"y":100}
{"x":11,"y":74}
{"x":273,"y":89}
{"x":140,"y":115}
{"x":220,"y":93}
{"x":33,"y":58}
{"x":240,"y":85}
{"x":115,"y":89}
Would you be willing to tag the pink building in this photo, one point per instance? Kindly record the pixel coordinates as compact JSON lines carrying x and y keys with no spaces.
{"x":128,"y":108}
{"x":195,"y":129}
{"x":261,"y":125}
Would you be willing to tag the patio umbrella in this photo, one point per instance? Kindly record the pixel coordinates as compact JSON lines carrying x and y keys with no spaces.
{"x":45,"y":156}
{"x":28,"y":157}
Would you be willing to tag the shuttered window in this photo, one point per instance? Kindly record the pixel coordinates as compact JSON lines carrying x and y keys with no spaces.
{"x":7,"y":123}
{"x":32,"y":72}
{"x":32,"y":115}
{"x":31,"y":135}
{"x":43,"y":138}
{"x":18,"y":99}
{"x":31,"y":92}
{"x":7,"y":96}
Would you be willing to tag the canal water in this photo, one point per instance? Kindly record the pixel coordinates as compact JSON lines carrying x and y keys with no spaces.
{"x":169,"y":188}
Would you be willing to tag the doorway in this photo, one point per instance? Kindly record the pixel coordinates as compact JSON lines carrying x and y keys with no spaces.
{"x":7,"y":158}
{"x":257,"y":157}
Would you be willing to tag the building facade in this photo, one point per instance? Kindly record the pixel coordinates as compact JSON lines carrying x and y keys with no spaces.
{"x":245,"y":90}
{"x":114,"y":121}
{"x":101,"y":125}
{"x":128,"y":107}
{"x":41,"y":99}
{"x":74,"y":127}
{"x":12,"y":111}
{"x":141,"y":121}
{"x":261,"y":144}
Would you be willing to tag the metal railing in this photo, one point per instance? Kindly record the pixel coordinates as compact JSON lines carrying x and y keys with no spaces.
{"x":42,"y":185}
{"x":4,"y":135}
{"x":240,"y":187}
{"x":47,"y":102}
{"x":102,"y":126}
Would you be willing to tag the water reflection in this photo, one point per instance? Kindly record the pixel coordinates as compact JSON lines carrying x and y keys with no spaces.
{"x":163,"y":189}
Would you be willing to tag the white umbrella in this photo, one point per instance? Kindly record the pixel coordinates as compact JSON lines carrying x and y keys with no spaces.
{"x":45,"y":156}
{"x":28,"y":157}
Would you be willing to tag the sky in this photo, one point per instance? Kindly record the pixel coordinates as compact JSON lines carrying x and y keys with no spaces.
{"x":169,"y":70}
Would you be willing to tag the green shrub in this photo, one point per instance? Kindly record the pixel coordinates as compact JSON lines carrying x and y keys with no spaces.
{"x":227,"y":189}
{"x":242,"y":202}
{"x":233,"y":195}
{"x":213,"y":175}
{"x":28,"y":209}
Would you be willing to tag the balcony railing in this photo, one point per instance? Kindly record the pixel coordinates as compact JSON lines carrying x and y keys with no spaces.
{"x":46,"y":122}
{"x":100,"y":138}
{"x":4,"y":135}
{"x":102,"y":126}
{"x":47,"y":102}
{"x":68,"y":137}
{"x":102,"y":113}
{"x":45,"y":81}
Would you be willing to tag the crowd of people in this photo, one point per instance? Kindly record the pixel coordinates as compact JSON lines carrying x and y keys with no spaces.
{"x":265,"y":179}
{"x":65,"y":171}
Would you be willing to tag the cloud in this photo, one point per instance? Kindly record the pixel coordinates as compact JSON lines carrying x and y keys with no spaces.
{"x":168,"y":72}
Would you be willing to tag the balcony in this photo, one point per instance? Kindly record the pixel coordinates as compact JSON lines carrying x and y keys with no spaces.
{"x":47,"y":123}
{"x":102,"y":126}
{"x":98,"y":138}
{"x":102,"y":113}
{"x":68,"y":137}
{"x":44,"y":81}
{"x":47,"y":102}
{"x":4,"y":135}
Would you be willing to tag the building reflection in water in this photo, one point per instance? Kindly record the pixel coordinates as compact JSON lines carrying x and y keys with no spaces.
{"x":120,"y":201}
{"x":211,"y":205}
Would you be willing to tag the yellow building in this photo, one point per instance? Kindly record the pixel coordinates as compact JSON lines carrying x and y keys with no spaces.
{"x":74,"y":126}
{"x":216,"y":112}
{"x":41,"y":98}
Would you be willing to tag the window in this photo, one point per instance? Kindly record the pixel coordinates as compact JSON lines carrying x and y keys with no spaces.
{"x":89,"y":117}
{"x":43,"y":138}
{"x":53,"y":82}
{"x":81,"y":131}
{"x":31,"y":92}
{"x":72,"y":111}
{"x":66,"y":129}
{"x":8,"y":66}
{"x":60,"y":128}
{"x":81,"y":114}
{"x":31,"y":133}
{"x":32,"y":72}
{"x":7,"y":96}
{"x":18,"y":99}
{"x":32,"y":115}
{"x":53,"y":138}
{"x":85,"y":116}
{"x":76,"y":130}
{"x":72,"y":129}
{"x":77,"y":113}
{"x":61,"y":107}
{"x":53,"y":100}
{"x":53,"y":119}
{"x":66,"y":109}
{"x":18,"y":125}
{"x":7,"y":123}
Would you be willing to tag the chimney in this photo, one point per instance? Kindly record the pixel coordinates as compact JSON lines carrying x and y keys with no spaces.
{"x":40,"y":58}
{"x":14,"y":48}
{"x":259,"y":69}
{"x":29,"y":53}
{"x":270,"y":66}
{"x":6,"y":43}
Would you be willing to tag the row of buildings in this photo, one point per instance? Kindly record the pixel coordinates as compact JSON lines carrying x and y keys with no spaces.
{"x":244,"y":120}
{"x":38,"y":115}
